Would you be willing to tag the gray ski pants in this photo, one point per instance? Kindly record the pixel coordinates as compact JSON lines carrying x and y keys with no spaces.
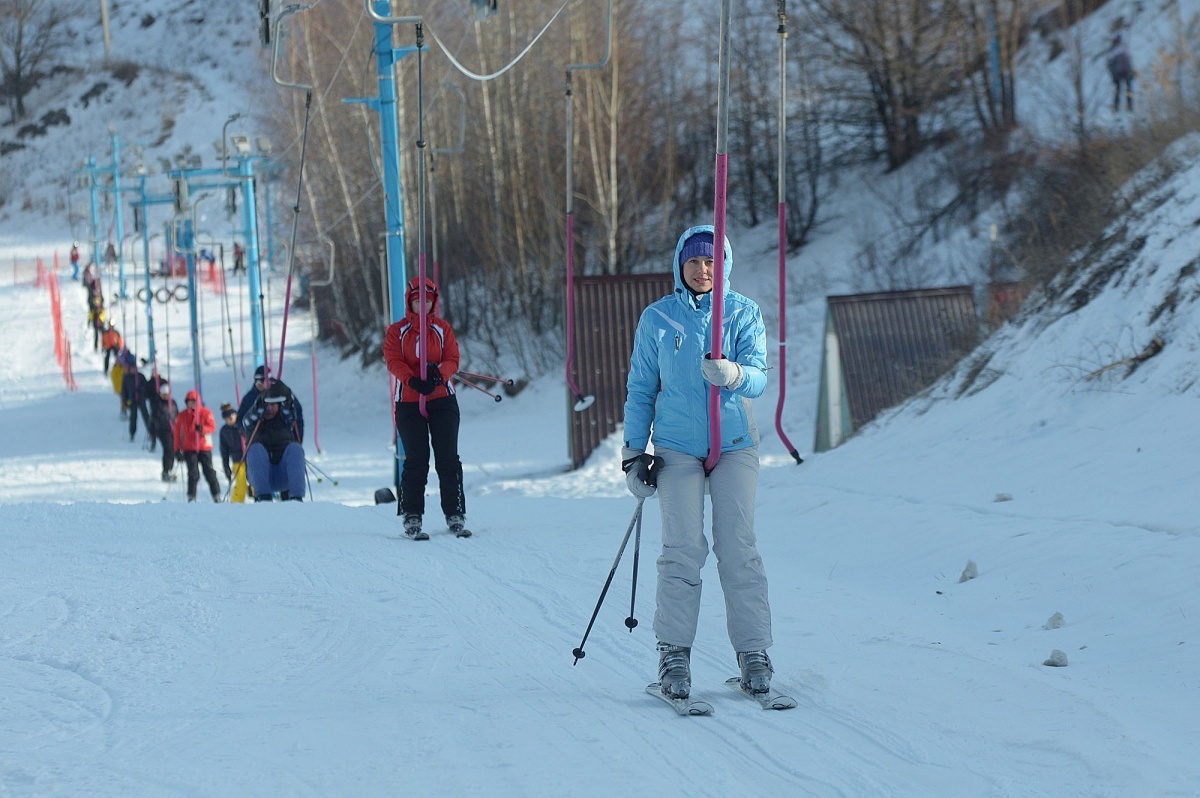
{"x":732,"y":486}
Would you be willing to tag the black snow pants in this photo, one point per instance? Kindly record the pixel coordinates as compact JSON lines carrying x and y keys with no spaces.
{"x":416,"y":433}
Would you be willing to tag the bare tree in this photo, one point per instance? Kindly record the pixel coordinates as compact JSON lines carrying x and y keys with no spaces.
{"x":30,"y":31}
{"x":902,"y":54}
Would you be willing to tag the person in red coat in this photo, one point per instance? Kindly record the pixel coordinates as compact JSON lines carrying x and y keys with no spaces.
{"x":438,"y":424}
{"x":194,"y":427}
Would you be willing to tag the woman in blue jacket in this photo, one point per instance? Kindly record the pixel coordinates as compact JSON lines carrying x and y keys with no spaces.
{"x":667,"y":401}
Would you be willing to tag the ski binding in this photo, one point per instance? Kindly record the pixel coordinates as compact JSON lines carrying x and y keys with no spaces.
{"x":769,"y":700}
{"x":684,"y":706}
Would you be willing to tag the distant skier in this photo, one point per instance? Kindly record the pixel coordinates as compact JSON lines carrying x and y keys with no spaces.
{"x":1120,"y":65}
{"x":239,"y":259}
{"x":162,"y":411}
{"x":233,"y":451}
{"x":194,"y":427}
{"x":75,"y":260}
{"x":96,"y":320}
{"x":135,"y":390}
{"x":667,"y":396}
{"x":112,"y":342}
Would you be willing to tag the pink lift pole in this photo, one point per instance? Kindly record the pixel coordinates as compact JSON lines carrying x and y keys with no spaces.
{"x":718,"y":291}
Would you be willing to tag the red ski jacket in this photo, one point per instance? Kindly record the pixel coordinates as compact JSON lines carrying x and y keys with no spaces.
{"x":401,"y":345}
{"x":187,"y":439}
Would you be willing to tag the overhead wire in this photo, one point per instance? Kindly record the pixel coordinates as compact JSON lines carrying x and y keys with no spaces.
{"x":475,"y":76}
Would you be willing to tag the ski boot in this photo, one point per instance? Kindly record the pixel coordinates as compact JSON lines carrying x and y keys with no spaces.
{"x":674,"y":670}
{"x":412,"y":528}
{"x":756,"y":671}
{"x":458,"y":525}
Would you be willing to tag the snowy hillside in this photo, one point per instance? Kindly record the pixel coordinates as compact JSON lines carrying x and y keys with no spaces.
{"x":178,"y":71}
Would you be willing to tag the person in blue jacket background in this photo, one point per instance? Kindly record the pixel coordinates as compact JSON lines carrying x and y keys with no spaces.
{"x":670,"y":372}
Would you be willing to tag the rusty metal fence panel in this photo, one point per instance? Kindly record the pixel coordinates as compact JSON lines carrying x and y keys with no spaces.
{"x":894,"y":344}
{"x":607,"y":309}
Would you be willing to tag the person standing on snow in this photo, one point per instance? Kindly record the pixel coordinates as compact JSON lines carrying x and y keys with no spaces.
{"x":274,"y":459}
{"x":232,"y":454}
{"x":439,"y":425}
{"x":193,"y":440}
{"x":162,"y":411}
{"x":1119,"y":61}
{"x":667,"y":398}
{"x":112,"y":343}
{"x":75,"y":260}
{"x":135,"y":390}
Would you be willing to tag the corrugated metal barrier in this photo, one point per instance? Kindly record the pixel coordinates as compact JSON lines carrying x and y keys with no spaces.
{"x":607,"y":309}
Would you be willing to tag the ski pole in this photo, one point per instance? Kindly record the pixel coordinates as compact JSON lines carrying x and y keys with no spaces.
{"x":321,"y":474}
{"x":631,"y":622}
{"x":578,"y":652}
{"x":467,"y":382}
{"x":489,"y":378}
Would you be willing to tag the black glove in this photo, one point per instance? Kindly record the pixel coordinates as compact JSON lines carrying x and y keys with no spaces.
{"x":641,"y":472}
{"x":423,"y":387}
{"x":229,"y":474}
{"x":433,"y":378}
{"x":179,"y":454}
{"x":199,"y":430}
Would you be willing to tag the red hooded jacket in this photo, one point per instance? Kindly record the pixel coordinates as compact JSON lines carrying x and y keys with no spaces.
{"x":401,"y":345}
{"x":187,"y":439}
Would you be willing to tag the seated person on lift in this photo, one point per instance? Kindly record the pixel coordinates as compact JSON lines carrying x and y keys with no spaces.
{"x":274,"y":459}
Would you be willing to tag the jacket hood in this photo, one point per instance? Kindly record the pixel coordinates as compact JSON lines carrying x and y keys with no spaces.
{"x":192,"y":394}
{"x":414,"y":290}
{"x":682,"y":292}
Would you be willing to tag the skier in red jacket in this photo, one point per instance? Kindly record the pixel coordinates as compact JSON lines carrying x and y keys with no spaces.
{"x":440,"y":421}
{"x":194,"y":427}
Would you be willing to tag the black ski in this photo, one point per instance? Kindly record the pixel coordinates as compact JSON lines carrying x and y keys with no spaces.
{"x":684,"y":706}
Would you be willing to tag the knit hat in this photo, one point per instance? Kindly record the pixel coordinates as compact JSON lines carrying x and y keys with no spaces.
{"x":699,"y":245}
{"x":192,"y":395}
{"x":261,"y":371}
{"x":227,"y":409}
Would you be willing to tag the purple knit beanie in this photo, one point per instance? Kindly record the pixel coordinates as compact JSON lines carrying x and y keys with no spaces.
{"x":699,"y":245}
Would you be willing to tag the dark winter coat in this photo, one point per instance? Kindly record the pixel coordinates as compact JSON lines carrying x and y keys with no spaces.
{"x":163,"y":411}
{"x":253,"y":395}
{"x":231,"y":446}
{"x":273,"y":432}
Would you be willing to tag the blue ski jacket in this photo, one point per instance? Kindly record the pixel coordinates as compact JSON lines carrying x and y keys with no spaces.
{"x":666,"y":393}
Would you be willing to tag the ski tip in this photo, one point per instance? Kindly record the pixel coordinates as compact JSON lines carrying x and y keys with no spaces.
{"x":683,"y":706}
{"x":771,"y":700}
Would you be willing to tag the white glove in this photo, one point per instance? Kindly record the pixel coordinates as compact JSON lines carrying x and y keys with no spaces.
{"x":722,"y":373}
{"x":640,"y":475}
